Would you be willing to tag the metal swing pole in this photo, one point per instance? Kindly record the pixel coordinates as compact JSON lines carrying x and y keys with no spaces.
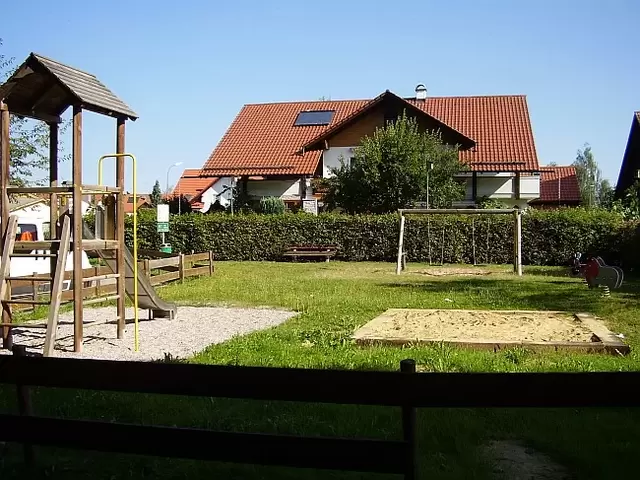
{"x":400,"y":262}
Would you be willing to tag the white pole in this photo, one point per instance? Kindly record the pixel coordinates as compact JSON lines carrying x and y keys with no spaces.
{"x":400,"y":246}
{"x":517,"y":244}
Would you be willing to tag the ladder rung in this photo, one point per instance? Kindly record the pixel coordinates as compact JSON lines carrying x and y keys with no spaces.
{"x":35,"y":245}
{"x":23,"y":325}
{"x":100,"y":300}
{"x":30,"y":279}
{"x":101,"y":277}
{"x":49,"y":255}
{"x":26,"y":302}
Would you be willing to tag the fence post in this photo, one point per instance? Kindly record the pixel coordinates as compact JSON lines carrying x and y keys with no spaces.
{"x":147,"y":267}
{"x":181,"y":267}
{"x":96,"y":272}
{"x":24,"y":404}
{"x":210,"y":263}
{"x":409,"y":427}
{"x":34,"y":291}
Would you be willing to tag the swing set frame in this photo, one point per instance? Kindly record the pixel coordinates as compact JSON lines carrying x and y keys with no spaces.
{"x":517,"y":230}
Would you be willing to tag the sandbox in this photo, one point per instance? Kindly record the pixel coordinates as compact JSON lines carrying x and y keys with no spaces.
{"x":492,"y":329}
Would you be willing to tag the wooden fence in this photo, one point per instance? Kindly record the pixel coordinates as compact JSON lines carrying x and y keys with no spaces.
{"x":100,"y":281}
{"x":165,"y":267}
{"x":405,"y":389}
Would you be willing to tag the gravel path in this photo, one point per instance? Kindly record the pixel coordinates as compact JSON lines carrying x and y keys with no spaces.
{"x":193,"y":329}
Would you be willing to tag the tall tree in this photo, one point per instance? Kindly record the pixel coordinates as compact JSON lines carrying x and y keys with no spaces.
{"x":156,"y":195}
{"x":390,"y":169}
{"x":605,"y":194}
{"x":589,"y":176}
{"x":28,"y":140}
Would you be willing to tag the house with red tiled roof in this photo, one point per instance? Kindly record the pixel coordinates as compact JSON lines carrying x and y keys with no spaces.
{"x":559,"y":187}
{"x":192,"y":184}
{"x":630,"y":169}
{"x":275,"y":149}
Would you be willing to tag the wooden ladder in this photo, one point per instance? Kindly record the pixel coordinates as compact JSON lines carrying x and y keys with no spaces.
{"x":57,"y":280}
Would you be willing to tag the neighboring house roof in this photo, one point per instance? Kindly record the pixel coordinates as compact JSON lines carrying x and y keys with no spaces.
{"x":142,"y":200}
{"x":414,"y":107}
{"x":191,"y":183}
{"x":263,"y":140}
{"x":559,"y":185}
{"x":631,"y":160}
{"x":20,"y":203}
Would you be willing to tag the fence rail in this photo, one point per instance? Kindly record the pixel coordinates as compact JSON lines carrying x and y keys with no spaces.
{"x":98,"y":281}
{"x":405,"y":389}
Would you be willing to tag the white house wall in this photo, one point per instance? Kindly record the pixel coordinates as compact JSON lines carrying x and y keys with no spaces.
{"x":495,"y":187}
{"x":501,"y":187}
{"x":331,"y":159}
{"x":285,"y":189}
{"x":530,"y":187}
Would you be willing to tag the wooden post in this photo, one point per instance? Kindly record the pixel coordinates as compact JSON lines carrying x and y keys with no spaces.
{"x":400,"y":246}
{"x":517,"y":243}
{"x":53,"y":198}
{"x":120,"y":201}
{"x":147,"y":268}
{"x":409,"y":427}
{"x":4,"y":207}
{"x":210,"y":263}
{"x":25,"y":407}
{"x":77,"y":229}
{"x":181,"y":267}
{"x":96,"y":287}
{"x":34,"y":291}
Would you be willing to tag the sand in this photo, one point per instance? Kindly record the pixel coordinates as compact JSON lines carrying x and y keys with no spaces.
{"x":477,"y":326}
{"x":193,"y":329}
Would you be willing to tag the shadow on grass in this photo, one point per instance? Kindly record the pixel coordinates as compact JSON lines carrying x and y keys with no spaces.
{"x":548,"y":272}
{"x":553,"y":295}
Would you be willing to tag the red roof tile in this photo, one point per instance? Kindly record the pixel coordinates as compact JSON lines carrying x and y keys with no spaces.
{"x":500,"y":125}
{"x":559,"y":185}
{"x":192,"y":184}
{"x":262,"y":140}
{"x":141,"y":201}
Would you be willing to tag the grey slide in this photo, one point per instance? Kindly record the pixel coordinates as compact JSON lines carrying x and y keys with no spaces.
{"x":147,"y":296}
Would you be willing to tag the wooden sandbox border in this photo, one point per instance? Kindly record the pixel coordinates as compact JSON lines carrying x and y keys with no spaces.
{"x":606,"y":341}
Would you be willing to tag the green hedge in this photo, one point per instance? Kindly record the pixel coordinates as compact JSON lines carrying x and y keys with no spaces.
{"x":549,"y":237}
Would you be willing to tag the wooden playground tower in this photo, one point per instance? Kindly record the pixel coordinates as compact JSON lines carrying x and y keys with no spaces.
{"x":43,"y":89}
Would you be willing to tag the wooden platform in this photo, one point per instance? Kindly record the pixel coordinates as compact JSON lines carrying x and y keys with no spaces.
{"x":537,"y":330}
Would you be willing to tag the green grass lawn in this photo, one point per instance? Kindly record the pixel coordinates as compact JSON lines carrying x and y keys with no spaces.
{"x":333,"y":300}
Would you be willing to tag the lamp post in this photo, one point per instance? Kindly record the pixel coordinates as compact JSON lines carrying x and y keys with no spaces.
{"x":429,"y":166}
{"x":177,"y":164}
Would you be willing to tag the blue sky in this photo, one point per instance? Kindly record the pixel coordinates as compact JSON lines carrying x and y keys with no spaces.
{"x":188,"y":67}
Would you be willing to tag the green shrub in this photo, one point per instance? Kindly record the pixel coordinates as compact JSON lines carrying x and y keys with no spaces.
{"x":271,"y":205}
{"x":549,"y":237}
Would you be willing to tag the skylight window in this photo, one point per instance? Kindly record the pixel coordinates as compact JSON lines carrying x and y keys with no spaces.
{"x":314,"y":117}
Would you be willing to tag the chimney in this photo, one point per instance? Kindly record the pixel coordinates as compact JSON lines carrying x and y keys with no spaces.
{"x":421,"y":92}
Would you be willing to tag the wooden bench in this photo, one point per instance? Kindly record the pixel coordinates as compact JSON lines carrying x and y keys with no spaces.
{"x":310,"y":251}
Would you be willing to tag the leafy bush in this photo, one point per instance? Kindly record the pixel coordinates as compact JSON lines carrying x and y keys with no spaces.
{"x":549,"y":237}
{"x":272,"y":205}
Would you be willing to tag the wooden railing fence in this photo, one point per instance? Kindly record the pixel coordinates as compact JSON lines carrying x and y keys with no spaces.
{"x":405,"y":389}
{"x":100,"y":283}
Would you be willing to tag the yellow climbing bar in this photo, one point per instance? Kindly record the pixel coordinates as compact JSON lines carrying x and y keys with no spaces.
{"x":135,"y":236}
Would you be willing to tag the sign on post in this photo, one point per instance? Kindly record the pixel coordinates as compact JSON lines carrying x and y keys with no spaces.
{"x":310,"y":206}
{"x":162,"y":218}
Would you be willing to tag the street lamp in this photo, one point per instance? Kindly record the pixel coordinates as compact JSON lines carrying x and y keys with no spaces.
{"x":429,"y":167}
{"x":177,"y":164}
